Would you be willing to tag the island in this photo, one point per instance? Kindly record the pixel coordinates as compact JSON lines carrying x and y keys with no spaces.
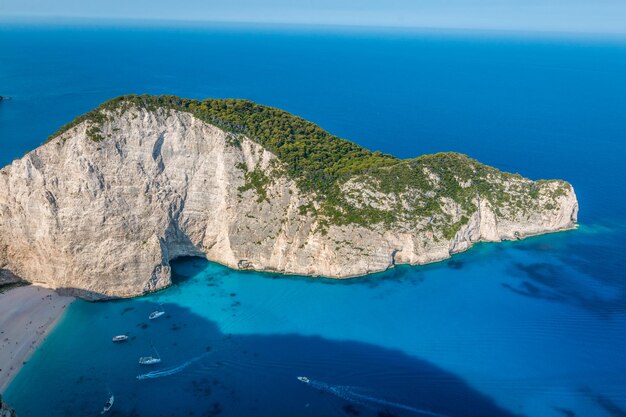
{"x":102,"y":207}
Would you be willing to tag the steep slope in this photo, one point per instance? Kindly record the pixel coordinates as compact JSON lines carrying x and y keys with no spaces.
{"x":110,"y":199}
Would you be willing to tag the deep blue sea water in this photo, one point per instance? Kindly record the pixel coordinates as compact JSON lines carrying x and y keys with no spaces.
{"x":530,"y":328}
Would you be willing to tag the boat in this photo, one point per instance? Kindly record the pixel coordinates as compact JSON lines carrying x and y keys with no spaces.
{"x":120,"y":338}
{"x":156,"y":314}
{"x":304,"y":379}
{"x":150,"y":360}
{"x":108,"y":404}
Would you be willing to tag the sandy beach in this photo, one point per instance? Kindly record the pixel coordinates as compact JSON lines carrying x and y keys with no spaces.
{"x":26,"y":316}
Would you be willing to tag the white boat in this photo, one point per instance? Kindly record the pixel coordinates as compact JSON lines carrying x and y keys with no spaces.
{"x":150,"y":360}
{"x":303,"y":379}
{"x":120,"y":338}
{"x":156,"y":314}
{"x":108,"y":404}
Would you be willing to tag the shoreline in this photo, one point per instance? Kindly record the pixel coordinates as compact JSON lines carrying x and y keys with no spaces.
{"x":87,"y":295}
{"x":27,"y":315}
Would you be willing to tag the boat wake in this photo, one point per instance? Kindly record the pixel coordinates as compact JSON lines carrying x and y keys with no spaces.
{"x":350,"y":394}
{"x":170,"y":371}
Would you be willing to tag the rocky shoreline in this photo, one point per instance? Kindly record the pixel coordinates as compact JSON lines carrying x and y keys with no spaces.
{"x":5,"y":410}
{"x":102,"y":208}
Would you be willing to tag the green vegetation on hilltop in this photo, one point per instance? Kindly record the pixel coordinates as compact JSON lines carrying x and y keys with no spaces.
{"x":322,"y":164}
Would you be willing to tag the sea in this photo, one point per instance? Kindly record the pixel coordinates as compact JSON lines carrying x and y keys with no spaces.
{"x":531,"y":328}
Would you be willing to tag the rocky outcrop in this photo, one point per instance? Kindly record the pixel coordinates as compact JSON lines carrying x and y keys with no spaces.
{"x":5,"y":410}
{"x":106,"y":216}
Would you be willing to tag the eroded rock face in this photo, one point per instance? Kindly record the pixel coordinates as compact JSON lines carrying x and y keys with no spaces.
{"x":106,"y":217}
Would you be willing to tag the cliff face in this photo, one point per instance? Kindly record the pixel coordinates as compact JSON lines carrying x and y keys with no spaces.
{"x":106,"y":216}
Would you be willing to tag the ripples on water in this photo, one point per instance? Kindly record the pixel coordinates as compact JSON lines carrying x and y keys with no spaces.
{"x":467,"y":337}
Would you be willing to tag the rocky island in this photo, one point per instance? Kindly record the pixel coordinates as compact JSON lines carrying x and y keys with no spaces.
{"x":110,"y":199}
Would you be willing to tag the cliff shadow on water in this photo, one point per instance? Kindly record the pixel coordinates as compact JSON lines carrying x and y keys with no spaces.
{"x":206,"y":372}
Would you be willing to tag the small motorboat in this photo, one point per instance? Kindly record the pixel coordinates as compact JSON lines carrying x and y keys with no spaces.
{"x":108,"y":404}
{"x":304,"y":379}
{"x":120,"y":338}
{"x":150,"y":360}
{"x":156,"y":314}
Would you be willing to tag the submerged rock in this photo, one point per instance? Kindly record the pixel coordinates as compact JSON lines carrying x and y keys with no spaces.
{"x":104,"y":206}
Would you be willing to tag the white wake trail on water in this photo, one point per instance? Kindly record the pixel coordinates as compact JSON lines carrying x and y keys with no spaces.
{"x":170,"y":371}
{"x":349,"y":393}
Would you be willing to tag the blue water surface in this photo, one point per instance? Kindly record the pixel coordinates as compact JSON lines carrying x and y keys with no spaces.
{"x":530,"y":328}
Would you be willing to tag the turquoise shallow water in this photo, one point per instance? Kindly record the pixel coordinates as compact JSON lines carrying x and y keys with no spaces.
{"x":534,"y":328}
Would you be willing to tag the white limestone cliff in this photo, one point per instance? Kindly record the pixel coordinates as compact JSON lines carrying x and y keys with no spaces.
{"x":105,"y":218}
